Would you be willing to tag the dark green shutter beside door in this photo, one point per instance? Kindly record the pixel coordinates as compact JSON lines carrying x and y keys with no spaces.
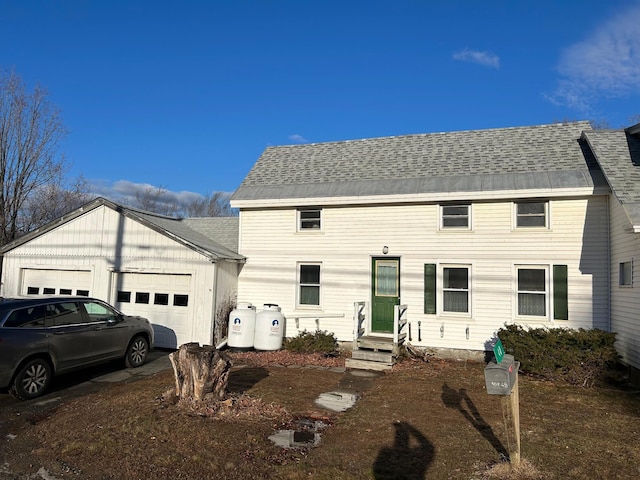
{"x":560,"y":293}
{"x":430,"y":288}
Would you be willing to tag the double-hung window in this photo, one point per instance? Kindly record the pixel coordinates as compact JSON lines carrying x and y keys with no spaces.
{"x":447,"y":289}
{"x":455,"y":217}
{"x":309,"y":285}
{"x":531,"y":214}
{"x":455,"y":289}
{"x":532,"y":291}
{"x":309,"y":219}
{"x":542,"y":289}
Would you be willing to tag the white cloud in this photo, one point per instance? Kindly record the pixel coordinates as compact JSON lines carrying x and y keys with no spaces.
{"x":486,"y":59}
{"x":298,"y":139}
{"x":605,"y":64}
{"x":124,"y":191}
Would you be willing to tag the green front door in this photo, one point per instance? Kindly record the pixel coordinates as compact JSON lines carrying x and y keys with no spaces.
{"x":385,"y":293}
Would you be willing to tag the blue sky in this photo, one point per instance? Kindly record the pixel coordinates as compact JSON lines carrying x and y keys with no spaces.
{"x":186,"y":95}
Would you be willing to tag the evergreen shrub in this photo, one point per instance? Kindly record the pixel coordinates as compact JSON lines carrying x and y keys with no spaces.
{"x":578,"y":357}
{"x":319,"y":341}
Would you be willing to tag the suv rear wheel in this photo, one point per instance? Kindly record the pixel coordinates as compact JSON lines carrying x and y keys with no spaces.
{"x":136,"y":352}
{"x":32,"y":380}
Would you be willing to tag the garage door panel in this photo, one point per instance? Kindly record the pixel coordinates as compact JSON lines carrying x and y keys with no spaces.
{"x":55,"y":282}
{"x":162,"y":298}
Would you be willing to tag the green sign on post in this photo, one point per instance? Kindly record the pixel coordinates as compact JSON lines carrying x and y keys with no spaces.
{"x":498,"y":351}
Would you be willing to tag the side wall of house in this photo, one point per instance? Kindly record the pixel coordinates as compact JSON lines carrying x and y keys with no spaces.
{"x":625,"y":299}
{"x":492,"y":249}
{"x":102,"y":249}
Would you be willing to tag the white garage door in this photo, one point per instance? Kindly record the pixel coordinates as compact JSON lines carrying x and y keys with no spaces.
{"x":55,"y":282}
{"x":164,"y":299}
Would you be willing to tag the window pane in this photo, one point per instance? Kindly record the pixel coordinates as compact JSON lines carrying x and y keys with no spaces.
{"x":531,"y":280}
{"x":65,"y":314}
{"x":310,"y":274}
{"x":456,"y":278}
{"x":27,"y":317}
{"x":161,"y":299}
{"x":531,"y":214}
{"x":626,"y":273}
{"x":82,"y":293}
{"x":309,"y":218}
{"x":456,"y":301}
{"x":142,"y":297}
{"x":455,"y":216}
{"x":48,"y":291}
{"x":386,"y":279}
{"x":531,"y":208}
{"x":531,"y":304}
{"x":309,"y":295}
{"x":65,"y":291}
{"x":123,"y":297}
{"x":180,"y":300}
{"x":33,"y":290}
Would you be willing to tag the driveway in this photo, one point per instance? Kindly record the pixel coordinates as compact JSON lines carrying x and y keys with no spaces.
{"x":86,"y":381}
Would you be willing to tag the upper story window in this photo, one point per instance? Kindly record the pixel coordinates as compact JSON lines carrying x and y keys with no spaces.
{"x":309,"y":219}
{"x":531,"y":214}
{"x":626,"y":274}
{"x":455,"y":216}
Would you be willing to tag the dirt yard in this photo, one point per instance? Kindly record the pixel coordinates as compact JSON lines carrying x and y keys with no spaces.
{"x":422,"y":420}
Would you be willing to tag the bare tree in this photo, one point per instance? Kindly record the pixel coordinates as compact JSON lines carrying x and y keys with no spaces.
{"x":30,"y":132}
{"x":157,"y":200}
{"x":52,"y":201}
{"x":214,"y":205}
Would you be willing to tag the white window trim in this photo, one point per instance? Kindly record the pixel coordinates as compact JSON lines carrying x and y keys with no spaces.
{"x":455,"y":229}
{"x":440,"y":290}
{"x":547,"y":215}
{"x":300,"y":306}
{"x":548,"y":292}
{"x":309,"y":230}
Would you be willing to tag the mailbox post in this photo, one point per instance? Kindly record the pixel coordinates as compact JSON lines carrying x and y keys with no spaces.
{"x":501,"y":378}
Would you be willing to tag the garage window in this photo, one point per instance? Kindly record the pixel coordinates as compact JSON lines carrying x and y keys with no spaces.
{"x":124,"y":297}
{"x":161,"y":299}
{"x":82,"y":293}
{"x":33,"y":290}
{"x":180,"y":300}
{"x":142,"y":297}
{"x":48,"y":291}
{"x":65,"y":291}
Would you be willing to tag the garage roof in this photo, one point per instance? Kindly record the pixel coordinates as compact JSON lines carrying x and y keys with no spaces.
{"x":212,"y":237}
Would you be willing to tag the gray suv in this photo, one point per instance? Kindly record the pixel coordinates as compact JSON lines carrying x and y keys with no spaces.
{"x":44,"y":336}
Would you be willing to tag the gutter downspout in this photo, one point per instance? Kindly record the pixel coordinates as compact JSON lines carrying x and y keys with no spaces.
{"x":214,"y":301}
{"x":609,"y":266}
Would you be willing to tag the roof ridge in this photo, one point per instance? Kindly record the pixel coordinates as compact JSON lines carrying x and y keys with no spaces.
{"x":415,"y":135}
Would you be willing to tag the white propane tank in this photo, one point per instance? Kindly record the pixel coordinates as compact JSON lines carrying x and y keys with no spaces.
{"x":269,"y":328}
{"x":242,"y":321}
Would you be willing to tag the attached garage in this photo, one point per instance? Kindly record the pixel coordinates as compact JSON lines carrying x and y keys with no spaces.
{"x":178,"y":273}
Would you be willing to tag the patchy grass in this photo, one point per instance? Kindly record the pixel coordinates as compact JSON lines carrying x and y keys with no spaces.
{"x":422,"y":420}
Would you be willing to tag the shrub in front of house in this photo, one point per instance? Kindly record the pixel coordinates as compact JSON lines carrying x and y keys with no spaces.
{"x":578,"y":357}
{"x":319,"y":341}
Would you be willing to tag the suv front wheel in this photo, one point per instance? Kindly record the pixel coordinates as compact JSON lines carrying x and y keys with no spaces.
{"x":136,"y":352}
{"x":32,"y":380}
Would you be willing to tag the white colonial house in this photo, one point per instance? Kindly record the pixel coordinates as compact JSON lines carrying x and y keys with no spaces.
{"x":175,"y":272}
{"x":465,"y":231}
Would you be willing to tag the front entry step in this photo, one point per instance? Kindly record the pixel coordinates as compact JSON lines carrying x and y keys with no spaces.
{"x":382,"y":357}
{"x":367,"y":364}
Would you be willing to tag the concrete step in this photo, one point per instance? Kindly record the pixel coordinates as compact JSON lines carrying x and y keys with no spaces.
{"x":383,"y":357}
{"x":367,"y":365}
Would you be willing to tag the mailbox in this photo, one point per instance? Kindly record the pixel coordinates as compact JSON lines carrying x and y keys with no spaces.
{"x":501,"y":377}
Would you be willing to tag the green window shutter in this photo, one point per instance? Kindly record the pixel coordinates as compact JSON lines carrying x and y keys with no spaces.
{"x":430,"y":288}
{"x":560,"y":292}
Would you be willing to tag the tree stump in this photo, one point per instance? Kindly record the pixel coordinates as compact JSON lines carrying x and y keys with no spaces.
{"x":200,"y":372}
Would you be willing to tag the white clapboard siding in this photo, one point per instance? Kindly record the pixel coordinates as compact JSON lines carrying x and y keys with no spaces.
{"x":351,"y":236}
{"x":625,"y":300}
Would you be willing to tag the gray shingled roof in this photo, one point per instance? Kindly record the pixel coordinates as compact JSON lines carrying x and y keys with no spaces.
{"x":225,"y":230}
{"x":545,"y":156}
{"x":618,"y":153}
